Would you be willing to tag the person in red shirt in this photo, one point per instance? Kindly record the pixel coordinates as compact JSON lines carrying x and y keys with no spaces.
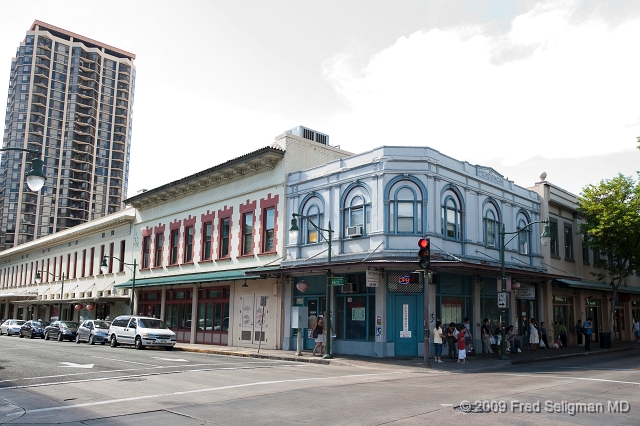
{"x":462,"y":353}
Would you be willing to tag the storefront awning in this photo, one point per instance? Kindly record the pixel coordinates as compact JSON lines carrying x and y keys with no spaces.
{"x":238,"y":274}
{"x":23,"y":293}
{"x":595,"y":285}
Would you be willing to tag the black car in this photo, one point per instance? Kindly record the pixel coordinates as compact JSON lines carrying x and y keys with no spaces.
{"x":33,"y":329}
{"x":62,"y":330}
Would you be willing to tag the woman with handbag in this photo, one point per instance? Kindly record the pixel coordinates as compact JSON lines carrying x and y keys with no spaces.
{"x":543,"y":336}
{"x":318,"y":334}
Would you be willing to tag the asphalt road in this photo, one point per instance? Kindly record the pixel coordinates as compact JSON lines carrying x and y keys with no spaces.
{"x":50,"y":382}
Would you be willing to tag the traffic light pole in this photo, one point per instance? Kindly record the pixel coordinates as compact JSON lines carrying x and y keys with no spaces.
{"x":427,"y":328}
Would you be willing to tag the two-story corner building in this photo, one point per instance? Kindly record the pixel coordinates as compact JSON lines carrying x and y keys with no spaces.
{"x":199,"y":240}
{"x":577,"y":294}
{"x":59,"y":276}
{"x":379,"y":204}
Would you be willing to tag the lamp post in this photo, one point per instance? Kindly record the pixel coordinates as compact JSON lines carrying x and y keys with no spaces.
{"x":105,"y":268}
{"x":544,"y":239}
{"x":293,"y":236}
{"x":39,"y":280}
{"x":35,"y":176}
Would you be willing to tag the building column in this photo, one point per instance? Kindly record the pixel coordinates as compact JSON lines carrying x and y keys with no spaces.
{"x":194,"y":315}
{"x":163,"y":300}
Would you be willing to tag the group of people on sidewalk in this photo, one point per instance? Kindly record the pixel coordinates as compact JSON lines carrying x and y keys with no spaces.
{"x":460,"y":341}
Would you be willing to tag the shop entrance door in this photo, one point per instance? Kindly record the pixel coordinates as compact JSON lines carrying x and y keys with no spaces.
{"x":317,"y":306}
{"x":251,"y":315}
{"x":526,"y":310}
{"x":595,"y":313}
{"x":618,"y":323}
{"x":406,"y":326}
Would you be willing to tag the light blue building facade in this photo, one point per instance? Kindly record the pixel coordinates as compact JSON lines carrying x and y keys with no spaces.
{"x":379,"y":204}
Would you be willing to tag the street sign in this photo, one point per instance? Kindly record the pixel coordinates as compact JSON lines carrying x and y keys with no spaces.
{"x":338,"y":281}
{"x":502,"y":300}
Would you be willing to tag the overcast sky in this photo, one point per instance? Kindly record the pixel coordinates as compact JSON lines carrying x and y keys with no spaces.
{"x":520,"y":86}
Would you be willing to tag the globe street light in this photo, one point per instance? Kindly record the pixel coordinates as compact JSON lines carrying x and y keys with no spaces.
{"x":293,"y":236}
{"x":35,"y":176}
{"x":544,"y":239}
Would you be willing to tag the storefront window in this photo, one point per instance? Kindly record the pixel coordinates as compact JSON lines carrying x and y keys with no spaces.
{"x":355,"y":310}
{"x":489,"y":301}
{"x":454,"y":301}
{"x":563,"y":312}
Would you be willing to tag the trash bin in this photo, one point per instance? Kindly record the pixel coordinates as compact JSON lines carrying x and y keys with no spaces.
{"x":605,"y":339}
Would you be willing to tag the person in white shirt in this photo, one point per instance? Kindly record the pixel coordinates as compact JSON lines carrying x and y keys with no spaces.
{"x":437,"y":342}
{"x":636,"y":329}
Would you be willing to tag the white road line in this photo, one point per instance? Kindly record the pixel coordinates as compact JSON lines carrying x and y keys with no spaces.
{"x":554,"y":376}
{"x":122,"y":360}
{"x":101,"y":379}
{"x":137,"y":398}
{"x":124,"y":370}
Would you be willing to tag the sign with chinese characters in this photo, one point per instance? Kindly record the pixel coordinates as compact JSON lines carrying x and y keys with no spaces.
{"x":338,"y":281}
{"x":405,"y":332}
{"x":372,"y":278}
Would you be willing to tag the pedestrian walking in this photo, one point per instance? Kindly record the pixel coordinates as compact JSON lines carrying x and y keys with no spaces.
{"x":318,"y":334}
{"x":462,"y":353}
{"x":543,"y":335}
{"x":437,"y":342}
{"x":636,"y":329}
{"x":534,"y":337}
{"x":579,"y":332}
{"x":468,"y":338}
{"x":562,"y":333}
{"x":452,"y":340}
{"x":486,"y":337}
{"x":586,"y":326}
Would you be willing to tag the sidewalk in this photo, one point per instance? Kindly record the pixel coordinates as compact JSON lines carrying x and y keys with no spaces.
{"x":479,"y":361}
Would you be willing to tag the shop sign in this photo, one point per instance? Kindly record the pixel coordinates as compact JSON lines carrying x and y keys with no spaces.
{"x":372,"y":278}
{"x":404,"y":280}
{"x":338,"y":281}
{"x":527,"y":291}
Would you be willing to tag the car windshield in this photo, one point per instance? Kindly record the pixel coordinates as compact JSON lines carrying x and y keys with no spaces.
{"x":151,"y":323}
{"x":19,"y":322}
{"x":70,"y":324}
{"x":101,"y":324}
{"x":37,"y":324}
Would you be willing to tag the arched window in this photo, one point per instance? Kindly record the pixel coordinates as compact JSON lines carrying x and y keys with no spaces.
{"x":313,"y":214}
{"x":405,"y":211}
{"x":357,"y":210}
{"x":451,"y":220}
{"x":490,"y":228}
{"x":523,"y":237}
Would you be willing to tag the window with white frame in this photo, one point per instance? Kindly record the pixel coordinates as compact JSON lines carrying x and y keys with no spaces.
{"x":314,"y":215}
{"x":490,"y":227}
{"x":523,"y":237}
{"x":405,"y":210}
{"x":451,"y":220}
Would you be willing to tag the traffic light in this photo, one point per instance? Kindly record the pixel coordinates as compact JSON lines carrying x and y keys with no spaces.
{"x":424,"y":254}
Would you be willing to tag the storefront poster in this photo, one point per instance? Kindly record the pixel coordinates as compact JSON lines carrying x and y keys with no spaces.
{"x":527,"y":291}
{"x":358,"y":314}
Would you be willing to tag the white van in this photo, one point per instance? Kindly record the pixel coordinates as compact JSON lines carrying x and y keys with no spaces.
{"x":141,"y":332}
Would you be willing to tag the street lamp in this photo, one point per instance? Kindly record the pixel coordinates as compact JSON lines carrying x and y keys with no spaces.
{"x":39,"y":280}
{"x":293,"y":236}
{"x":544,"y":239}
{"x":35,"y":176}
{"x":105,"y":268}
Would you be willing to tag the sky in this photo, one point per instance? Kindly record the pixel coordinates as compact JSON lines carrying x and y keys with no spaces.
{"x":523,"y":87}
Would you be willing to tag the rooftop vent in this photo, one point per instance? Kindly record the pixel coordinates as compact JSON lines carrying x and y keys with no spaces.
{"x":310,"y":134}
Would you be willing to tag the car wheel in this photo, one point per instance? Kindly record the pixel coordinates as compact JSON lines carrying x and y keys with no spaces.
{"x":168,"y":348}
{"x":59,"y":337}
{"x":139,"y":344}
{"x":46,"y":336}
{"x":114,"y":341}
{"x":21,"y":335}
{"x":30,"y":335}
{"x":77,"y":339}
{"x":91,"y":342}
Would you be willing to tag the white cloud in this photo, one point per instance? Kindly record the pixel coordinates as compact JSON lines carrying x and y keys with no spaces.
{"x":552,"y":84}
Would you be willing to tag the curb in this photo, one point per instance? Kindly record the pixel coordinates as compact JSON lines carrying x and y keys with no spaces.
{"x":252,"y":355}
{"x":556,"y":357}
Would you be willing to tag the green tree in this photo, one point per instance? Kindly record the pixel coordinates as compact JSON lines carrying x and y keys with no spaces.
{"x":611,"y":211}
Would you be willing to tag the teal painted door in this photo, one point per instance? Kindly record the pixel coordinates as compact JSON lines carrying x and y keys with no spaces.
{"x":406,"y":320}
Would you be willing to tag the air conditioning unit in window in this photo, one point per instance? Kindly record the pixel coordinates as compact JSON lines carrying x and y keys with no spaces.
{"x":348,"y":288}
{"x":354,"y":231}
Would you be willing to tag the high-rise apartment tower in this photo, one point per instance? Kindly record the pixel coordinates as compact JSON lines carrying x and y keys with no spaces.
{"x":71,"y":98}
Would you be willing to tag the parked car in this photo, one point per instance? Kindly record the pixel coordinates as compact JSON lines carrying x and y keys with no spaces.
{"x":11,"y":326}
{"x":93,"y":331}
{"x":141,"y":332}
{"x":61,"y":330}
{"x":33,"y":329}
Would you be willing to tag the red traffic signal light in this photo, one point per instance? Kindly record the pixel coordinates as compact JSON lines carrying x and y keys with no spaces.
{"x":424,"y":254}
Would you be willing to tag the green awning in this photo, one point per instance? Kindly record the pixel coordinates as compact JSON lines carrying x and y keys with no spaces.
{"x":595,"y":285}
{"x":203,"y":277}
